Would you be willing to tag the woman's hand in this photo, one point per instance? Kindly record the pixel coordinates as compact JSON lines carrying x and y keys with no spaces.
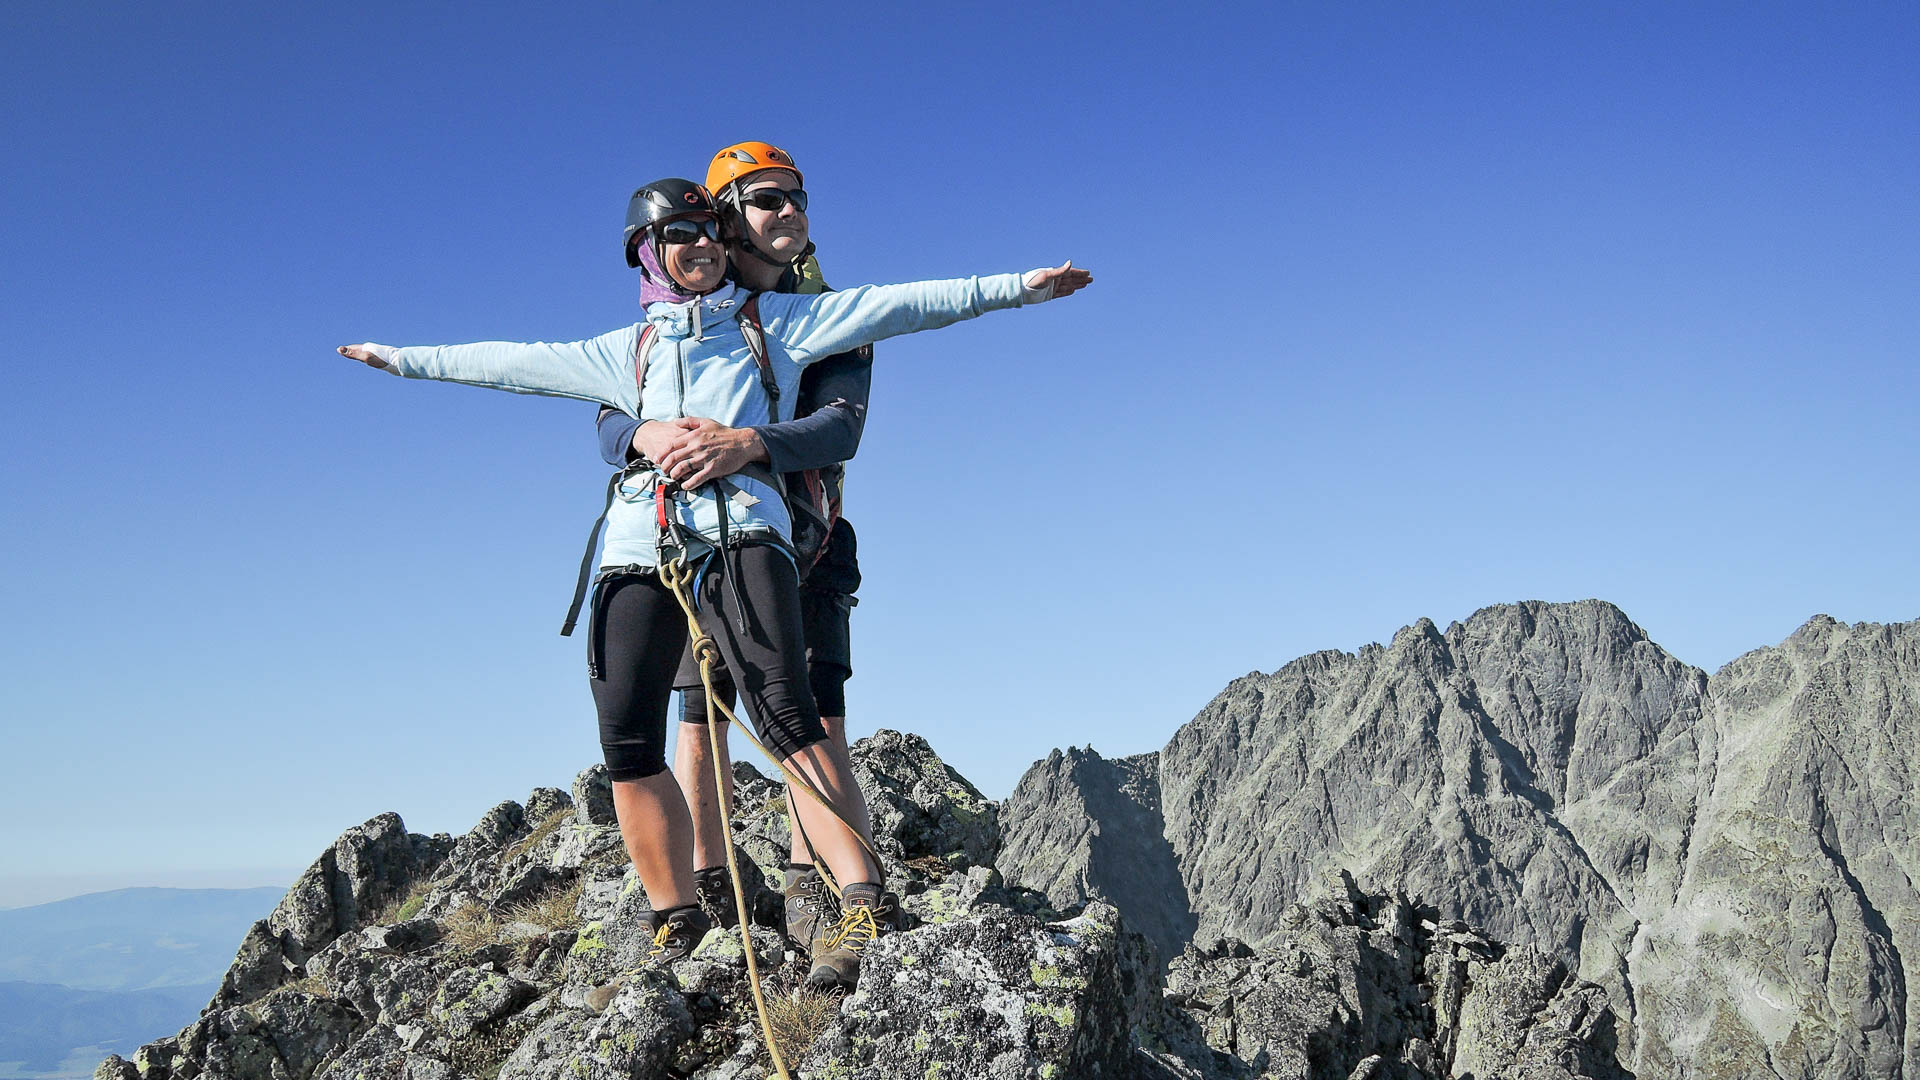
{"x":1056,"y":282}
{"x":374,"y":356}
{"x":653,"y":438}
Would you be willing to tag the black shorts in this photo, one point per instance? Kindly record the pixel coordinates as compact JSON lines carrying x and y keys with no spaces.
{"x":826,"y":606}
{"x":638,"y":630}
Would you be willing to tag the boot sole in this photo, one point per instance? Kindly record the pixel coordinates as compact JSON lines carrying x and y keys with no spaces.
{"x":827,"y":980}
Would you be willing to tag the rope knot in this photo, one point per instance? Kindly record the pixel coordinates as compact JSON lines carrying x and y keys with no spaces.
{"x":706,"y":651}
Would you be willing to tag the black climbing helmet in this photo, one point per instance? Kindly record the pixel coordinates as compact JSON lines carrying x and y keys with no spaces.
{"x":660,"y":201}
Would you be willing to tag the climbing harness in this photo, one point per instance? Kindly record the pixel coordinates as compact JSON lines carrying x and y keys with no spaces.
{"x":642,"y":346}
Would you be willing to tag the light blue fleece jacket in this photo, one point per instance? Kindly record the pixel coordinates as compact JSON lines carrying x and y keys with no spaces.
{"x":700,"y":365}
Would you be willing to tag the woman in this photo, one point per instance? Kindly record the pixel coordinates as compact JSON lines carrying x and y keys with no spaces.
{"x":698,"y":363}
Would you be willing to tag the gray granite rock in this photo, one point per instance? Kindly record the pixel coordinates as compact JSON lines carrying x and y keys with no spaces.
{"x":471,"y":998}
{"x":365,"y":872}
{"x":416,"y":958}
{"x":1360,"y":985}
{"x":636,"y":1037}
{"x":996,"y":995}
{"x":258,"y":967}
{"x":593,"y":797}
{"x":1088,"y":828}
{"x":1731,"y":859}
{"x":376,"y":1053}
{"x":920,"y":804}
{"x":544,"y":802}
{"x":1796,"y":910}
{"x":116,"y":1068}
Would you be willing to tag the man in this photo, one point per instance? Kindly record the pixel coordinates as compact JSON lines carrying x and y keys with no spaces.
{"x":758,"y":188}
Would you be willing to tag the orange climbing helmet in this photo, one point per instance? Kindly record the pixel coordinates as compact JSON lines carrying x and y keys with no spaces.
{"x":742,"y":158}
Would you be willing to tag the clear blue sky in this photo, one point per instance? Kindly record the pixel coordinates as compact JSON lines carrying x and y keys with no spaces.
{"x":1401,"y":310}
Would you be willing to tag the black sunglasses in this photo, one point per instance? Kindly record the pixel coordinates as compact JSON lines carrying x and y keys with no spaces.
{"x":772,"y":199}
{"x":689,"y":230}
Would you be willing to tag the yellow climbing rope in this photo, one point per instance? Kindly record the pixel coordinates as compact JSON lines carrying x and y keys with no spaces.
{"x":677,"y":576}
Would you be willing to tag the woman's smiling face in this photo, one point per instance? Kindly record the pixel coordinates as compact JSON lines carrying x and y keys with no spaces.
{"x":699,"y":266}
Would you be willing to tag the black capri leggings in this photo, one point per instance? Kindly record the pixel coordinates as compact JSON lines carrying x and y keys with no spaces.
{"x":638,"y":634}
{"x":826,"y":606}
{"x":824,"y":621}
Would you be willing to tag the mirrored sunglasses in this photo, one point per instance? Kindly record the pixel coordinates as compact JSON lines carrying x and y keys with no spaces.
{"x":689,"y":230}
{"x":772,"y":199}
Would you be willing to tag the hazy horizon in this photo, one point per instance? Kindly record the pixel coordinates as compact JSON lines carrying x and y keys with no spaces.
{"x":25,"y":891}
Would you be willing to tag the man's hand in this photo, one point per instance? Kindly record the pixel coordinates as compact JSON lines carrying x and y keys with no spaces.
{"x":707,"y":450}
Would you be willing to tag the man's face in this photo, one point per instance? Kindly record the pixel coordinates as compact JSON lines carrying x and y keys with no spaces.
{"x":783,"y":232}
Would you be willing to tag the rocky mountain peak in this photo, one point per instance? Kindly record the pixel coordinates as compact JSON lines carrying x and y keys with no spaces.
{"x":1728,"y":857}
{"x":407,"y":957}
{"x":1531,"y":845}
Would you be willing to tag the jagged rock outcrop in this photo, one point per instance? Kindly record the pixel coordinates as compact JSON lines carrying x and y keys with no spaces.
{"x":996,"y":995}
{"x":363,"y":873}
{"x":472,"y":958}
{"x":1091,"y":828}
{"x":1357,"y":985}
{"x":1732,"y":858}
{"x":920,"y":807}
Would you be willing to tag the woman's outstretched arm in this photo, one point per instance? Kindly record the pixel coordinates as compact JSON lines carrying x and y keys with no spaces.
{"x":813,"y":327}
{"x":597,"y":369}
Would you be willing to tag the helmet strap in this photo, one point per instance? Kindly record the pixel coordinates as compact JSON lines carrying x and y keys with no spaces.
{"x":754,"y":250}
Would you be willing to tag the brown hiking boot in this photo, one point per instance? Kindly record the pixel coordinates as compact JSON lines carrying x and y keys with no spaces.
{"x":680,"y":931}
{"x":808,"y":904}
{"x":713,"y":890}
{"x":866,"y":912}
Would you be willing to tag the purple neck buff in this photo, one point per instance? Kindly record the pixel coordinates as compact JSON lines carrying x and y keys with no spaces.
{"x":656,"y":287}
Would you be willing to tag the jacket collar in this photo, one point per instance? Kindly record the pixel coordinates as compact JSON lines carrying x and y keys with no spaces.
{"x":690,"y":319}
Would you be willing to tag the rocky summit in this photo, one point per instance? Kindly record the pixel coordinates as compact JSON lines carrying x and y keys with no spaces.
{"x":406,"y":957}
{"x":1730,"y":859}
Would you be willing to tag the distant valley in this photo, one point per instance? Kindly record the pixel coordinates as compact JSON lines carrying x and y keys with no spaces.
{"x":105,"y":972}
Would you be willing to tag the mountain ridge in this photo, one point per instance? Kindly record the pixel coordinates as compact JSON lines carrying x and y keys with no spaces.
{"x":1549,"y":772}
{"x":398,"y":956}
{"x":128,"y":939}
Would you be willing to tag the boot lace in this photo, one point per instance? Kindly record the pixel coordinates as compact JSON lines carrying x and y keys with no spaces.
{"x":856,"y":930}
{"x":660,"y":939}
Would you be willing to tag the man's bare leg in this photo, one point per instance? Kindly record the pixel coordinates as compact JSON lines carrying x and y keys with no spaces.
{"x":826,"y":766}
{"x":693,"y":768}
{"x":856,"y":810}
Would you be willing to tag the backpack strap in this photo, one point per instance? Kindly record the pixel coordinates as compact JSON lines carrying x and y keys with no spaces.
{"x":642,"y":346}
{"x":757,"y":344}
